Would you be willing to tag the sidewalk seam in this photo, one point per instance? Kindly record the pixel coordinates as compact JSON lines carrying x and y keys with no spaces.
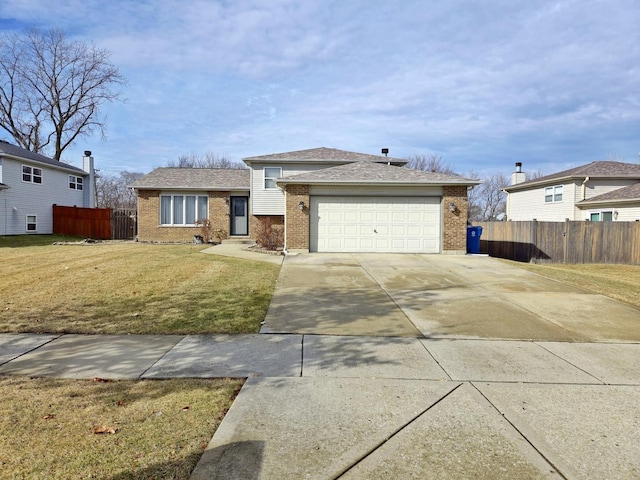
{"x":504,"y":416}
{"x":567,"y":361}
{"x":141,"y":376}
{"x":415,"y":327}
{"x":436,"y":360}
{"x":34,"y":348}
{"x":392,"y":435}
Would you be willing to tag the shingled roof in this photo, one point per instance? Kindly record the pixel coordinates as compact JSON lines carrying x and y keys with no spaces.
{"x":7,"y":148}
{"x":374,"y":173}
{"x":171,"y":178}
{"x":322,"y":155}
{"x":600,"y":169}
{"x":625,"y":194}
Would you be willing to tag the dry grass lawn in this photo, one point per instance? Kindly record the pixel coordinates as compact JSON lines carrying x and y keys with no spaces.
{"x":127,"y":287}
{"x":621,"y":282}
{"x":47,"y":427}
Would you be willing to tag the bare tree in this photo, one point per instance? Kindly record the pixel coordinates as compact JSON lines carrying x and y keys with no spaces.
{"x":430,"y":163}
{"x":535,"y":174}
{"x":51,"y":89}
{"x":487,"y":201}
{"x":113,"y":190}
{"x":207,"y":160}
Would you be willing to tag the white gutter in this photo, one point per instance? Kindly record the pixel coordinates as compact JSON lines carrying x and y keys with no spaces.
{"x":584,"y":188}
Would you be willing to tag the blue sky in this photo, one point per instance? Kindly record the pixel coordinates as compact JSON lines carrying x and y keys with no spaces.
{"x":553,"y":84}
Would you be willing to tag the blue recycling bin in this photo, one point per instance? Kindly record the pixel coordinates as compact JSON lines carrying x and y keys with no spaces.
{"x":473,"y":239}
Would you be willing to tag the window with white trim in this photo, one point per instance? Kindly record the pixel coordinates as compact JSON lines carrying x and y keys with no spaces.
{"x":553,"y":194}
{"x":601,"y":216}
{"x":31,"y":174}
{"x":75,"y":183}
{"x":32,"y":224}
{"x":270,"y":176}
{"x":183,"y":209}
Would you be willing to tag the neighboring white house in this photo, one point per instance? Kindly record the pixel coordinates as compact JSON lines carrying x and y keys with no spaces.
{"x":598,"y":191}
{"x":30,"y":184}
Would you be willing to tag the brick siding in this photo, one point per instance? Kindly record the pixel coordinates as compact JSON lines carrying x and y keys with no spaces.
{"x":150,"y":230}
{"x":454,"y":234}
{"x":297,"y":228}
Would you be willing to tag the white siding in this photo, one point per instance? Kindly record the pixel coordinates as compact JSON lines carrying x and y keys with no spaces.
{"x":529,"y":204}
{"x":271,"y":201}
{"x":628,"y":214}
{"x":600,"y":187}
{"x":23,"y":198}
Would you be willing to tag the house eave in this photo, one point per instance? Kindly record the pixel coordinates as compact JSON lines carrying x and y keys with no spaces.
{"x":250,"y":161}
{"x":65,"y":168}
{"x":385,"y":183}
{"x":607,"y":203}
{"x":568,"y":179}
{"x":190,"y":188}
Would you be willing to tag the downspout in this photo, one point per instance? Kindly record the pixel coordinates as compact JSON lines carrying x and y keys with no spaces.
{"x":508,"y":205}
{"x":584,"y":188}
{"x":284,"y":246}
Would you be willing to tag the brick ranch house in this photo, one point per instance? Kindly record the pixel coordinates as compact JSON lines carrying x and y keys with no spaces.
{"x":326,"y":200}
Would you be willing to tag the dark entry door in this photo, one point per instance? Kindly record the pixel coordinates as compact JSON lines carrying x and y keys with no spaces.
{"x":239,"y":215}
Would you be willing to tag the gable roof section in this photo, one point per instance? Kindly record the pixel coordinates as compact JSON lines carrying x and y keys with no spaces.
{"x":322,"y":155}
{"x":604,"y":169}
{"x":371,"y":173}
{"x":19,"y":153}
{"x":171,"y":178}
{"x":630,"y":194}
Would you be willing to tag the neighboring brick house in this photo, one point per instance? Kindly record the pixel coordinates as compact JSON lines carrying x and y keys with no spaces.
{"x":597,"y":191}
{"x":30,"y":184}
{"x":328,"y":200}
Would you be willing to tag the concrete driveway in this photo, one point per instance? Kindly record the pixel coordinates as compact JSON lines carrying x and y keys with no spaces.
{"x":438,"y":296}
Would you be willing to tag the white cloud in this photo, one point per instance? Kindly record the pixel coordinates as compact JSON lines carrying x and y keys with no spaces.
{"x":476,"y":81}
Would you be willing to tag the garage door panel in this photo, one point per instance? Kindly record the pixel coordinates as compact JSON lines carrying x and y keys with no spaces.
{"x":375,"y":224}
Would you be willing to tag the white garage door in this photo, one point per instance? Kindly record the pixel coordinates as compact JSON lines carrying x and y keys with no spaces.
{"x":375,"y":224}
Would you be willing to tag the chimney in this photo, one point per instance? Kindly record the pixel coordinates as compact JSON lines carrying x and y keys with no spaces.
{"x":90,"y":191}
{"x":518,"y":176}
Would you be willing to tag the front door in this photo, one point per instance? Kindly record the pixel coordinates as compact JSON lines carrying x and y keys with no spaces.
{"x":239,"y":215}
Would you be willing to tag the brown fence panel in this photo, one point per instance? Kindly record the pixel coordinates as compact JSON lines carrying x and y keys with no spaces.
{"x":562,"y":242}
{"x":82,"y":222}
{"x":123,"y":224}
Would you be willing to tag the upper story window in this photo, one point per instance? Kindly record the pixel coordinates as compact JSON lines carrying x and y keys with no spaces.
{"x":31,"y":174}
{"x":183,"y":209}
{"x":270,"y":175}
{"x":75,"y":183}
{"x":553,"y":194}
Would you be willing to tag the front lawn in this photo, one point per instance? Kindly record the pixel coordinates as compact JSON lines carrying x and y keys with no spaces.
{"x":61,"y":429}
{"x":128,"y":287}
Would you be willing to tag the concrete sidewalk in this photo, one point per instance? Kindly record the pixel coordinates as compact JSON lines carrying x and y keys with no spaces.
{"x":371,"y":407}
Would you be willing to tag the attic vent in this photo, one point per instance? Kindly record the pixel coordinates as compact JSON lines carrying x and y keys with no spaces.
{"x":385,"y":151}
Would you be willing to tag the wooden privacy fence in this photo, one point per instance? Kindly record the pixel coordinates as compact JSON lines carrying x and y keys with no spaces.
{"x":562,"y":242}
{"x":97,"y":223}
{"x":123,"y":223}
